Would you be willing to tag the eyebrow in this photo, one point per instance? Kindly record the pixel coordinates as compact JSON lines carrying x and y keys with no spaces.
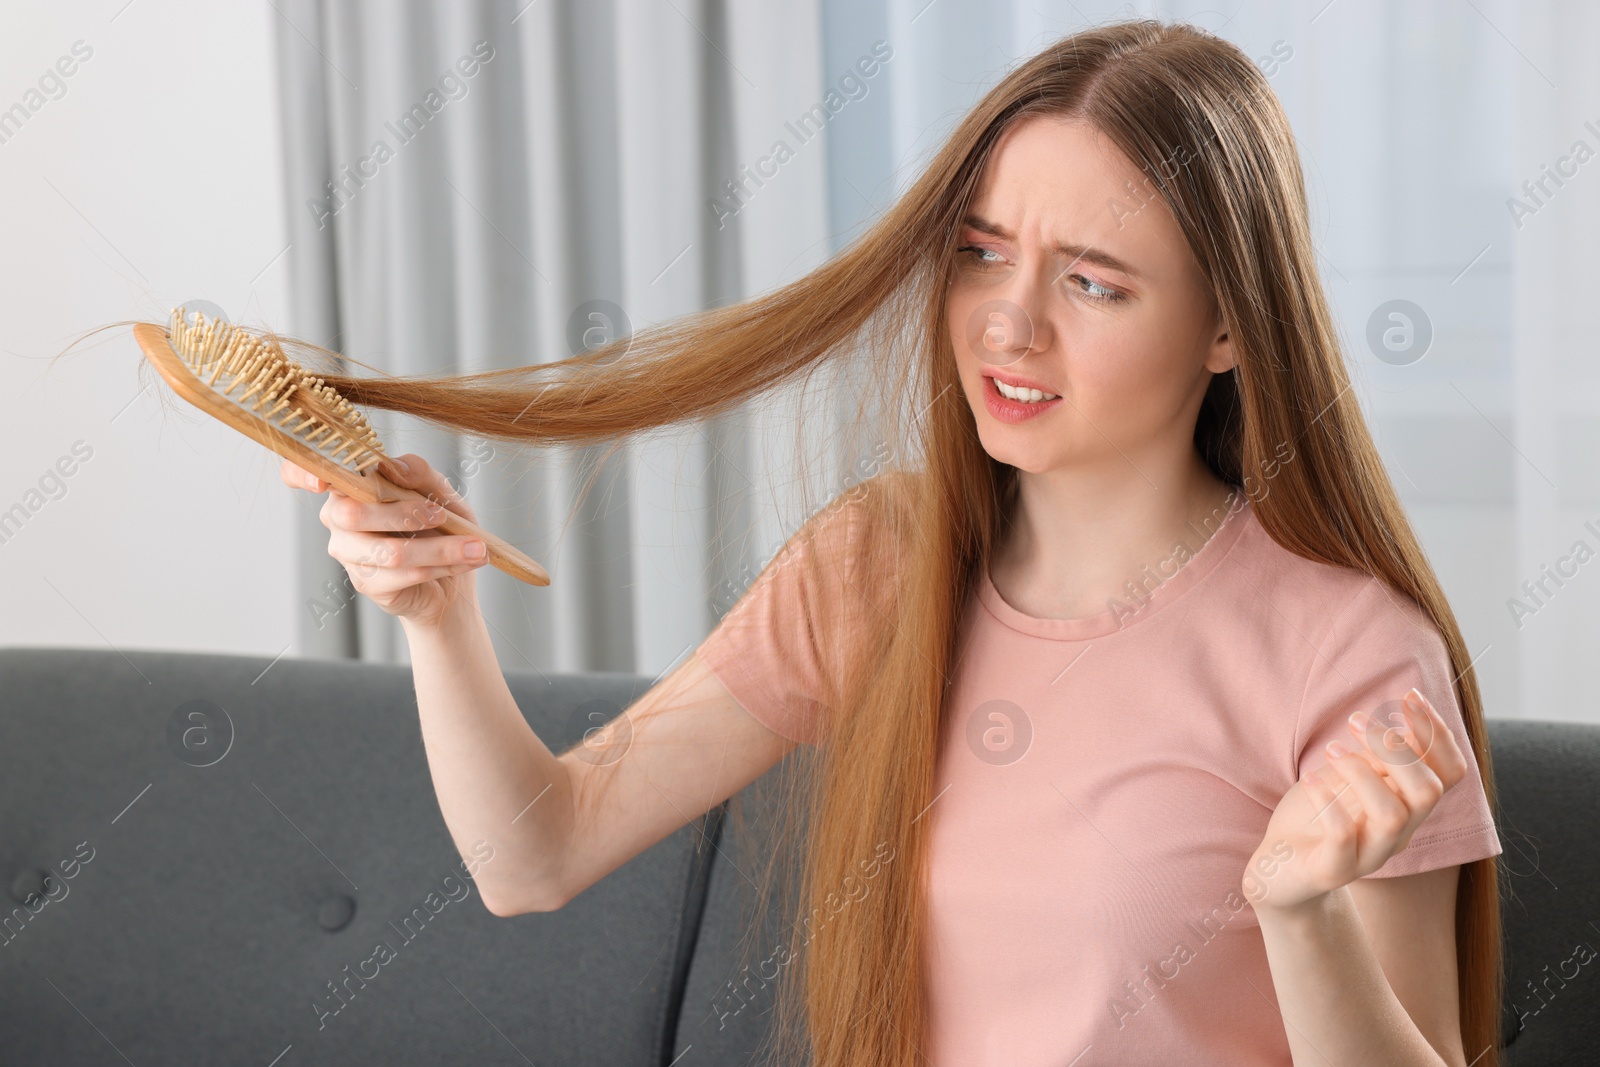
{"x":1086,"y":253}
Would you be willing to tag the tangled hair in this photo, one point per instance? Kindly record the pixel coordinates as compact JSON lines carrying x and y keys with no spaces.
{"x":1197,"y":117}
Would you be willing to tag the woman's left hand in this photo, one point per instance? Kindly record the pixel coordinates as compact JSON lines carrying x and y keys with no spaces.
{"x":1343,"y":821}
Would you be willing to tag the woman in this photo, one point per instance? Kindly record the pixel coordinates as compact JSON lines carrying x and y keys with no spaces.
{"x":1078,"y":674}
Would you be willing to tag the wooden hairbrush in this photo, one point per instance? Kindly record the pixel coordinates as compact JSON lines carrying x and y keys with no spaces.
{"x":249,"y":383}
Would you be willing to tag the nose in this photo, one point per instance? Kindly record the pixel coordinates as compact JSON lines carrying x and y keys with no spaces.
{"x":1008,"y":326}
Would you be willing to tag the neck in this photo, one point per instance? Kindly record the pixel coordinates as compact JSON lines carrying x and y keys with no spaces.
{"x":1077,"y":535}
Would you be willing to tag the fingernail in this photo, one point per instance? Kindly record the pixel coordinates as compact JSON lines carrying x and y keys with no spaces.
{"x":405,"y":468}
{"x":312,"y":481}
{"x":435,"y":513}
{"x":1335,"y":749}
{"x":474,"y":550}
{"x":1358,"y":719}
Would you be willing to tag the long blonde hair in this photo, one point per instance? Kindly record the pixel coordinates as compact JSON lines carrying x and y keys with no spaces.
{"x":1199,"y":119}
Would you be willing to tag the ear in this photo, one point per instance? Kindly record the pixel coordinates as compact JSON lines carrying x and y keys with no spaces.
{"x":1221,"y":357}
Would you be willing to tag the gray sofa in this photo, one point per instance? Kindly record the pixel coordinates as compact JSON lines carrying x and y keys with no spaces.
{"x":202,"y":854}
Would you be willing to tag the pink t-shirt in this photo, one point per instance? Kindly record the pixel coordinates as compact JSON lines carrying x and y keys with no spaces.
{"x":1103,"y":782}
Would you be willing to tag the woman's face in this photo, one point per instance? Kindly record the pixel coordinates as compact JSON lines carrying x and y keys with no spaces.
{"x":1074,"y":281}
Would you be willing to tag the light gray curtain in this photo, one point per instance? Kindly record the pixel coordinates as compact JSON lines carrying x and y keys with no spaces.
{"x":585,"y":160}
{"x":578,"y":170}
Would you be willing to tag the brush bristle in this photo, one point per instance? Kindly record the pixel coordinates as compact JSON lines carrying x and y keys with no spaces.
{"x":255,"y":374}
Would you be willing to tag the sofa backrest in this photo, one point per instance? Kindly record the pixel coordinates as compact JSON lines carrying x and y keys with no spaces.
{"x":1548,"y":778}
{"x":229,"y":843}
{"x":215,"y":847}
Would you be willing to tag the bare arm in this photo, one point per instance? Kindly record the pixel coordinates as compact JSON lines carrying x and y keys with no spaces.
{"x":556,"y":828}
{"x":1367,"y":973}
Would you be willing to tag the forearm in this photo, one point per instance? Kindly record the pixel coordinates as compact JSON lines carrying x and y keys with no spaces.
{"x":1338,"y":1007}
{"x":495,"y":779}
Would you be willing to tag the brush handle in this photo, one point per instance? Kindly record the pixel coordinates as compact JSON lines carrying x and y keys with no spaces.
{"x":502,"y":554}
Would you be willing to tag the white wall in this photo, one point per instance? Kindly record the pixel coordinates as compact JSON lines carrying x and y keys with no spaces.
{"x":153,"y":179}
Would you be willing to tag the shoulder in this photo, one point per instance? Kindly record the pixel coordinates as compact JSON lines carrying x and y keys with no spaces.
{"x":891,"y":495}
{"x":844,"y":547}
{"x":867,"y":519}
{"x":1325,"y":632}
{"x":1359,"y":641}
{"x":1321,"y":600}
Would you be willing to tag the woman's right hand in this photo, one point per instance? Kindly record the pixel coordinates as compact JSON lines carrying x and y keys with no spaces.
{"x":394,"y":555}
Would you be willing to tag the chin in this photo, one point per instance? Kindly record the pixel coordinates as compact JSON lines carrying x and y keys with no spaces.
{"x":1030,"y":468}
{"x":1001,"y":445}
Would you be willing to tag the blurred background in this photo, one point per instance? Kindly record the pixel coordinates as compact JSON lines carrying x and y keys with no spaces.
{"x":431,"y":186}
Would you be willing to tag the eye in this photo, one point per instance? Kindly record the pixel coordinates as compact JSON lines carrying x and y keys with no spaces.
{"x":1096,"y":291}
{"x":979,"y":253}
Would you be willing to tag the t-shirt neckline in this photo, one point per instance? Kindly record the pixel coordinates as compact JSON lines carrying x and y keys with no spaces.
{"x":1131,"y":611}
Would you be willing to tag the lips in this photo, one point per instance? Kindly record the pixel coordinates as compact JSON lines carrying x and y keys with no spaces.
{"x":1016,"y":382}
{"x":1007,"y":410}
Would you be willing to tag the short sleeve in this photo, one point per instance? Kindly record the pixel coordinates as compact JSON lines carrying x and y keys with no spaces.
{"x":1380,"y":645}
{"x":780,"y":650}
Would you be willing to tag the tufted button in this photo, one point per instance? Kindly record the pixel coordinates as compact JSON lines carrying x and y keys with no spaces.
{"x":336,"y":912}
{"x":28,"y":884}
